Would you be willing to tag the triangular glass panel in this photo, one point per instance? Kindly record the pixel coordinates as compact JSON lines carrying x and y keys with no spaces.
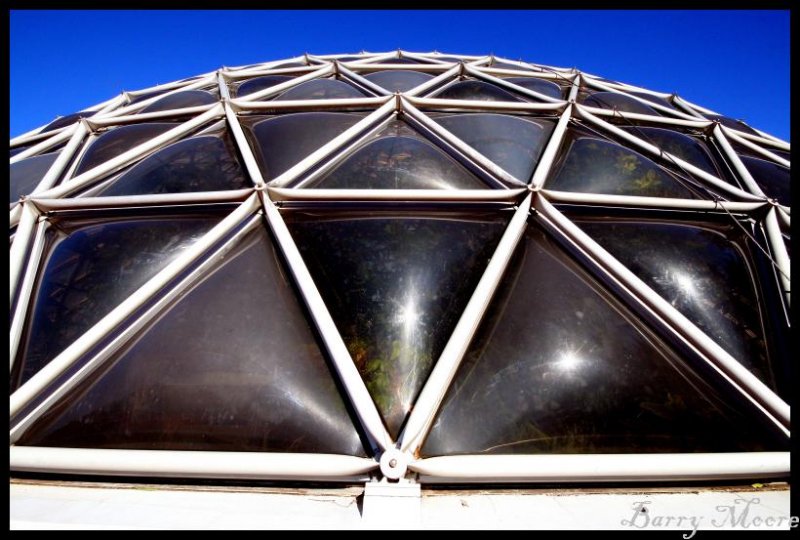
{"x":201,"y":163}
{"x":548,"y":88}
{"x":232,"y":365}
{"x":701,"y":269}
{"x":118,"y":140}
{"x":560,"y":366}
{"x":398,"y":80}
{"x":773,"y":179}
{"x":514,"y":143}
{"x":613,"y":100}
{"x":90,"y":266}
{"x":25,"y":175}
{"x":257,"y":84}
{"x":678,"y":144}
{"x":594,"y":165}
{"x":397,"y":157}
{"x":395,"y":285}
{"x":68,"y":120}
{"x":281,"y":142}
{"x":476,"y":91}
{"x":321,"y":89}
{"x":181,"y":100}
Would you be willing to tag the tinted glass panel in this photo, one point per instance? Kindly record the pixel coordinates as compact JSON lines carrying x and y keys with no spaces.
{"x":232,"y":366}
{"x":180,"y":100}
{"x":598,"y":166}
{"x":612,"y":100}
{"x":513,"y":143}
{"x":320,"y":89}
{"x":281,"y":142}
{"x":559,"y":366}
{"x":25,"y":175}
{"x":652,"y":99}
{"x":398,"y":80}
{"x":203,"y":163}
{"x":773,"y":179}
{"x":399,"y":159}
{"x":260,"y":83}
{"x":731,"y":123}
{"x":538,"y":85}
{"x":396,"y":285}
{"x":702,"y":273}
{"x":66,"y":120}
{"x":143,"y":97}
{"x":475,"y":90}
{"x":677,"y":144}
{"x":118,"y":140}
{"x":89,"y":269}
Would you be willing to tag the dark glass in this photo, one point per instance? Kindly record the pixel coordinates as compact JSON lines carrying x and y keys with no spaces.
{"x":202,"y":163}
{"x":90,"y":267}
{"x":513,"y":143}
{"x":731,"y":123}
{"x":233,"y":365}
{"x":68,"y":120}
{"x":19,"y":149}
{"x":403,"y":61}
{"x":260,"y":83}
{"x":320,"y":89}
{"x":559,"y":366}
{"x":773,"y":179}
{"x":181,"y":100}
{"x":475,"y":90}
{"x":289,"y":65}
{"x":399,"y":159}
{"x":612,"y":100}
{"x":396,"y":286}
{"x":145,"y":96}
{"x":542,"y":86}
{"x":117,"y":141}
{"x":677,"y":144}
{"x":398,"y":80}
{"x":281,"y":142}
{"x":652,"y":99}
{"x":597,"y":166}
{"x":504,"y":65}
{"x":25,"y":175}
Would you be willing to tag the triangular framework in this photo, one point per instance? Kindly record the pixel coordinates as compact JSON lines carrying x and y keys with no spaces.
{"x":28,"y":232}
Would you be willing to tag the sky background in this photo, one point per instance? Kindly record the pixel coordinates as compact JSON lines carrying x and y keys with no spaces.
{"x":734,"y":62}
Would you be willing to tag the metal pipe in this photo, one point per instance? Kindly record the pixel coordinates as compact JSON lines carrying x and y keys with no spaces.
{"x":361,"y":81}
{"x":551,"y":150}
{"x":728,"y":367}
{"x":244,"y":147}
{"x":511,"y":86}
{"x":650,"y":119}
{"x":433,"y":83}
{"x":698,"y":173}
{"x":336,"y":143}
{"x":278,"y":88}
{"x":60,"y":136}
{"x":54,"y":172}
{"x":445,"y":195}
{"x":576,"y":86}
{"x":597,"y":199}
{"x":432,"y":394}
{"x":774,"y":142}
{"x":14,"y":215}
{"x":733,"y":158}
{"x":134,"y":107}
{"x":733,"y":134}
{"x":785,"y":219}
{"x":603,"y":467}
{"x":190,"y":464}
{"x":497,"y":175}
{"x":159,"y":199}
{"x":491,"y":106}
{"x":115,"y":163}
{"x":681,"y":104}
{"x":41,"y":380}
{"x":656,"y":106}
{"x":25,"y":290}
{"x":139,"y":118}
{"x":779,"y":253}
{"x":351,"y":380}
{"x":271,"y":107}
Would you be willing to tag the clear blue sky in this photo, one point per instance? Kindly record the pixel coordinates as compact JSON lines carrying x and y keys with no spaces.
{"x":735,"y":62}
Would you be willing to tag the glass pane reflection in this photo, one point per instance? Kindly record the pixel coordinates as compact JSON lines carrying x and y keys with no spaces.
{"x":399,"y":158}
{"x":260,"y":83}
{"x":773,"y":179}
{"x":475,"y":90}
{"x":677,"y":144}
{"x":203,"y":163}
{"x":233,"y":365}
{"x":598,"y":166}
{"x":117,"y":141}
{"x":559,"y":366}
{"x":398,"y":80}
{"x":702,"y":273}
{"x":542,"y":86}
{"x":25,"y":175}
{"x":181,"y":100}
{"x":321,"y":89}
{"x":396,"y":285}
{"x":513,"y":143}
{"x":612,"y":100}
{"x":89,"y":269}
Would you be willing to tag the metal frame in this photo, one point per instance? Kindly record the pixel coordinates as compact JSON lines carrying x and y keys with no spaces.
{"x":29,"y":400}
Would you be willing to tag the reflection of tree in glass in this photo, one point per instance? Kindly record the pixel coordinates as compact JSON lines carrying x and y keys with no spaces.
{"x":92,"y":268}
{"x":396,"y":286}
{"x":203,"y":163}
{"x":679,"y":145}
{"x":597,"y":166}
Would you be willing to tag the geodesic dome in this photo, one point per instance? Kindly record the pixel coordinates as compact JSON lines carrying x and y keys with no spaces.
{"x":415,"y":267}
